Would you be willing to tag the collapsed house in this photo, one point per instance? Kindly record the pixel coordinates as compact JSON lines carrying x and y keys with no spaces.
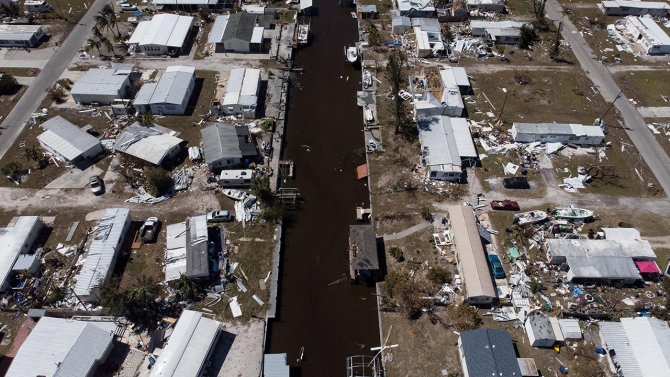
{"x":637,"y":347}
{"x":634,"y":8}
{"x":68,"y":142}
{"x":363,"y":252}
{"x":557,"y":133}
{"x":437,"y":91}
{"x":496,"y":6}
{"x":101,"y":258}
{"x":428,"y":36}
{"x":400,"y":24}
{"x":226,"y":146}
{"x":164,"y":34}
{"x":170,"y":95}
{"x":498,"y":32}
{"x":105,"y":85}
{"x":187,"y":249}
{"x":64,"y":348}
{"x":16,"y":242}
{"x":155,"y":144}
{"x":487,"y":352}
{"x":416,"y":8}
{"x":606,"y":261}
{"x":21,"y":35}
{"x":645,"y":35}
{"x":470,"y":256}
{"x":446,"y":143}
{"x":241,"y":96}
{"x":189,"y":347}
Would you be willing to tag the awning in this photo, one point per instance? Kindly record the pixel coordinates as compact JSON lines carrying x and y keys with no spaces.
{"x":362,"y":171}
{"x":648,"y":267}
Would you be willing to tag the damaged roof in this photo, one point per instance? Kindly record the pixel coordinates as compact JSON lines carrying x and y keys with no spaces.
{"x":151,"y":144}
{"x":363,"y":236}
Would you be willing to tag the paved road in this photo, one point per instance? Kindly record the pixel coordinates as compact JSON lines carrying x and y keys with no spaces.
{"x":58,"y":62}
{"x":652,"y":153}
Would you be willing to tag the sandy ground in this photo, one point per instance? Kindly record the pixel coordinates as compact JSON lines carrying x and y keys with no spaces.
{"x":239,"y":353}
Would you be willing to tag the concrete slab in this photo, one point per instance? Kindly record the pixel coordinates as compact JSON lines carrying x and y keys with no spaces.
{"x":654,"y":112}
{"x":95,"y":215}
{"x":74,"y":178}
{"x":111,"y":174}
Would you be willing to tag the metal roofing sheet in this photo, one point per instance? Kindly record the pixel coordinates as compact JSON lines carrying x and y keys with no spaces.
{"x":471,"y":255}
{"x":18,"y":32}
{"x":222,"y":140}
{"x":614,"y":338}
{"x":444,"y":142}
{"x":304,"y":4}
{"x":173,"y":85}
{"x":145,"y":93}
{"x":650,"y":340}
{"x":622,"y":234}
{"x":464,"y":143}
{"x":570,"y":328}
{"x":102,"y":81}
{"x":427,"y":24}
{"x":401,"y":21}
{"x":140,"y":31}
{"x":275,"y":365}
{"x":66,"y":139}
{"x":146,"y":143}
{"x":187,"y":347}
{"x":252,"y":78}
{"x":257,"y":35}
{"x":24,"y":262}
{"x":638,"y":4}
{"x":585,"y":247}
{"x":216,"y":34}
{"x":180,"y":31}
{"x":103,"y":250}
{"x":164,"y":29}
{"x":489,"y":352}
{"x":51,"y":342}
{"x":603,"y":267}
{"x":12,"y":240}
{"x":197,"y":240}
{"x":175,"y":252}
{"x":235,"y":80}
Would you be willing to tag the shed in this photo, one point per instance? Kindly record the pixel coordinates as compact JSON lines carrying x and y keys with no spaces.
{"x":638,"y":346}
{"x":20,"y":35}
{"x":238,"y":33}
{"x":364,"y":258}
{"x":68,"y":142}
{"x":275,"y":365}
{"x":165,"y":34}
{"x":28,"y":262}
{"x":170,"y":95}
{"x":470,"y":256}
{"x":400,"y":24}
{"x":487,"y":352}
{"x":236,"y":178}
{"x":63,"y":348}
{"x":528,"y":367}
{"x":104,"y":85}
{"x":557,"y":133}
{"x":155,"y":144}
{"x":189,"y":347}
{"x":497,"y":6}
{"x":422,"y":43}
{"x":570,"y":329}
{"x":226,"y":146}
{"x":539,"y":330}
{"x":622,"y":234}
{"x":558,"y":333}
{"x":365,"y":12}
{"x":445,"y":143}
{"x":241,"y":96}
{"x":187,"y":249}
{"x":634,"y":8}
{"x":16,"y":240}
{"x":102,"y":253}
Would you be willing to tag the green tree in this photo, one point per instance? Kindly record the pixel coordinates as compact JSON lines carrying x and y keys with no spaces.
{"x":56,"y":295}
{"x":93,"y":44}
{"x":187,"y":288}
{"x":56,"y":94}
{"x":11,"y":169}
{"x":107,"y":44}
{"x":8,"y":84}
{"x":96,"y":32}
{"x":260,"y":185}
{"x":146,"y":119}
{"x":157,"y":180}
{"x":274,"y":211}
{"x":374,"y":35}
{"x":205,"y":15}
{"x":144,"y":291}
{"x":464,"y":317}
{"x":395,"y":72}
{"x":112,"y":297}
{"x":438,"y":275}
{"x":527,"y":36}
{"x":397,"y":254}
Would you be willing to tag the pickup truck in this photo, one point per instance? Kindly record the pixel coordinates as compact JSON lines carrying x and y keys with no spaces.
{"x":149,"y":230}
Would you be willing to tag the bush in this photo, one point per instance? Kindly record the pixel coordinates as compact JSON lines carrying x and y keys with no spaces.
{"x":527,"y":37}
{"x":274,"y":212}
{"x":464,"y":317}
{"x":396,"y":253}
{"x":56,"y":95}
{"x":438,"y":275}
{"x":260,"y":185}
{"x":157,"y":180}
{"x":8,"y":85}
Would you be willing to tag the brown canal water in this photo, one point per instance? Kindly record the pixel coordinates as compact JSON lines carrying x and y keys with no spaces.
{"x":317,"y":307}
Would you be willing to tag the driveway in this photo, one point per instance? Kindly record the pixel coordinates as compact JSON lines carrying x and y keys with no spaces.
{"x":74,"y":178}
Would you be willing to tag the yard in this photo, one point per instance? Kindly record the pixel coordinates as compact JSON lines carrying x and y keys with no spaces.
{"x":646,"y":88}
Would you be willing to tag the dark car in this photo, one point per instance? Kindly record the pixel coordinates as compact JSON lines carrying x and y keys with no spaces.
{"x":516,"y":183}
{"x":505,"y":205}
{"x":497,"y":267}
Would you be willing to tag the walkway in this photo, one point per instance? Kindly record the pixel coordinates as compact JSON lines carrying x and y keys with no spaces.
{"x":406,"y":232}
{"x":654,"y":112}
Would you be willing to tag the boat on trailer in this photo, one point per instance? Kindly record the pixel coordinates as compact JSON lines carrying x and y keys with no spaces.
{"x":530,"y":217}
{"x":572,"y":213}
{"x":235,"y":194}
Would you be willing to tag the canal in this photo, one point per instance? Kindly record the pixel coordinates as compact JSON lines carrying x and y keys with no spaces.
{"x":317,"y":307}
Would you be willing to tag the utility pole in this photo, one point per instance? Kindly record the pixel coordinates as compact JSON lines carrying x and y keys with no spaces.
{"x":503,"y":105}
{"x":611,"y":105}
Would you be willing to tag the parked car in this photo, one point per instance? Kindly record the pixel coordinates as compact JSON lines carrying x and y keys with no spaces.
{"x":128,"y":7}
{"x":497,"y":267}
{"x":149,"y":230}
{"x":505,"y":205}
{"x":516,"y":183}
{"x":219,"y":217}
{"x":96,"y":184}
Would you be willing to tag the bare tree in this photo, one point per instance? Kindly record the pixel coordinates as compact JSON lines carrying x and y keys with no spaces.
{"x":395,"y":71}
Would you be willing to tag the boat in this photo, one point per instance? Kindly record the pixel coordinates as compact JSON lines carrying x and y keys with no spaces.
{"x":352,"y":54}
{"x":369,"y":117}
{"x":530,"y":217}
{"x":367,"y":79}
{"x":572,"y":213}
{"x":235,"y":194}
{"x":137,"y":20}
{"x":303,"y":34}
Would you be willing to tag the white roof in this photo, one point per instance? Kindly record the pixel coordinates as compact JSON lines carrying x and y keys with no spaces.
{"x":558,"y":129}
{"x":65,"y":138}
{"x":102,"y":251}
{"x":236,"y":174}
{"x":636,"y":4}
{"x":171,"y":88}
{"x":422,"y":41}
{"x":650,"y":29}
{"x":304,"y":4}
{"x":257,"y":35}
{"x":594,"y":248}
{"x":485,"y":2}
{"x":75,"y":345}
{"x":421,"y":5}
{"x":163,"y":30}
{"x":622,"y":234}
{"x":216,"y":34}
{"x":642,"y":345}
{"x":242,"y":86}
{"x":175,"y":252}
{"x":18,"y":32}
{"x":275,"y":365}
{"x":150,"y":144}
{"x":570,"y":328}
{"x":454,"y":76}
{"x":103,"y":81}
{"x":11,"y":243}
{"x":188,"y":347}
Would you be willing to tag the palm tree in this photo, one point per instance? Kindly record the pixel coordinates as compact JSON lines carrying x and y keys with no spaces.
{"x":110,"y":14}
{"x":96,"y":32}
{"x":108,"y":45}
{"x":144,"y":291}
{"x":101,"y":21}
{"x":92,"y":43}
{"x":112,"y":297}
{"x":146,"y":119}
{"x":187,"y":288}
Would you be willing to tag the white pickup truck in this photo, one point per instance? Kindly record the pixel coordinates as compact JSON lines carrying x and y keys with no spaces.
{"x":150,"y":230}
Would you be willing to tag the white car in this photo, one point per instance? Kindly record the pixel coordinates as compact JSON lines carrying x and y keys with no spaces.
{"x":96,"y":184}
{"x":128,"y":7}
{"x":219,"y":217}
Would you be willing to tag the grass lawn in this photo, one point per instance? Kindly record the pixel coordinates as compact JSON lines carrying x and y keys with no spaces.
{"x":663,"y":126}
{"x":25,"y":72}
{"x":7,"y":102}
{"x":645,"y":87}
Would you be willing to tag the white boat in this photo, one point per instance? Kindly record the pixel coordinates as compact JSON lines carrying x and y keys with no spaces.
{"x":367,"y":79}
{"x":137,"y":20}
{"x":235,"y":194}
{"x":530,"y":217}
{"x":352,"y":54}
{"x":368,"y":114}
{"x":572,"y":213}
{"x":303,"y":34}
